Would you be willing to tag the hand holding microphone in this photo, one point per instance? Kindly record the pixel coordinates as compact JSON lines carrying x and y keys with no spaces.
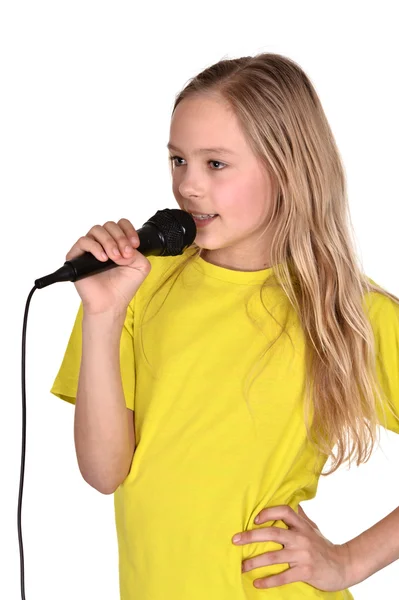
{"x":167,"y":233}
{"x":113,"y":289}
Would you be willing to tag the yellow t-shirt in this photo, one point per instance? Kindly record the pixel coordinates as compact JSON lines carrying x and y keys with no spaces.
{"x":206,"y":461}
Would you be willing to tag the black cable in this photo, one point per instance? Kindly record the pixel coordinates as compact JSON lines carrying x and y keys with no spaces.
{"x":21,"y":482}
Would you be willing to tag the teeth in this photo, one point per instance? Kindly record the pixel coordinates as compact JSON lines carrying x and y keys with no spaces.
{"x":203,"y":216}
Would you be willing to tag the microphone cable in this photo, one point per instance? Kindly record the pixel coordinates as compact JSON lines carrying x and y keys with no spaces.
{"x":21,"y":481}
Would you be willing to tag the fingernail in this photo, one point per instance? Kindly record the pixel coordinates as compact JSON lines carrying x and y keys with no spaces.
{"x":128,"y":249}
{"x":116,"y":251}
{"x":236,"y":538}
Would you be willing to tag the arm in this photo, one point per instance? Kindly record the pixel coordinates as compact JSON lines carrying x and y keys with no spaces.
{"x":374,"y":549}
{"x":103,"y":441}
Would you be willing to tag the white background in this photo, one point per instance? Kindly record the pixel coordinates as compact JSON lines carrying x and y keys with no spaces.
{"x":87,"y":90}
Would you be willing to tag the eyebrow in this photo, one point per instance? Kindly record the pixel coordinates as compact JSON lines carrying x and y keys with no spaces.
{"x":203,"y":150}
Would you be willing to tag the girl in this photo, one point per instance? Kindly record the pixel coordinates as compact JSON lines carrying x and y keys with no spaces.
{"x":265,"y":346}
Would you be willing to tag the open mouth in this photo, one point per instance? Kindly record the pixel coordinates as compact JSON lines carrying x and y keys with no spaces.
{"x":201,"y":222}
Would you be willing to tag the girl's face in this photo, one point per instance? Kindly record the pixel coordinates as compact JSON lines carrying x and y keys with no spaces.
{"x":233,"y":184}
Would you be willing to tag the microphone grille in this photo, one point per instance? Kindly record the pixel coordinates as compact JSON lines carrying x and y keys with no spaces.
{"x":177,"y":227}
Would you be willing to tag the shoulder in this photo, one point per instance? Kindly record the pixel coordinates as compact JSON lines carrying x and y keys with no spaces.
{"x":382,"y":310}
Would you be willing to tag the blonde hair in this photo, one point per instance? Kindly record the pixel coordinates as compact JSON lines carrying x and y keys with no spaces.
{"x":312,"y":250}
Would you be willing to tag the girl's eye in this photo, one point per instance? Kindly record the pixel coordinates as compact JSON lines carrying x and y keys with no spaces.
{"x":173,"y":158}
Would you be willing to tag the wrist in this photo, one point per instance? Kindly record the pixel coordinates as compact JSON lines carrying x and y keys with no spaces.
{"x":112,"y":316}
{"x":107,"y":324}
{"x":352,"y":568}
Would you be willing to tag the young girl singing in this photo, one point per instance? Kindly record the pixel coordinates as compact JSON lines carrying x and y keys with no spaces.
{"x":210,"y":388}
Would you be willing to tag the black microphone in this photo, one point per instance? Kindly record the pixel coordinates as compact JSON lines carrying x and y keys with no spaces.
{"x":168,"y":233}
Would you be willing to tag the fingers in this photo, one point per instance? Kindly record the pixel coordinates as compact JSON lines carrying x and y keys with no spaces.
{"x":117,"y":240}
{"x":129,"y":230}
{"x":113,"y":239}
{"x":87,"y":244}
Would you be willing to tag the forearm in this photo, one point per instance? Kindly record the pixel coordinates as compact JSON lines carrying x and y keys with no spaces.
{"x":374,"y":549}
{"x":102,"y":443}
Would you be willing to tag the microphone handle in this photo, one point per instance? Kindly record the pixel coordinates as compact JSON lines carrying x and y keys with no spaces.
{"x":151,"y":242}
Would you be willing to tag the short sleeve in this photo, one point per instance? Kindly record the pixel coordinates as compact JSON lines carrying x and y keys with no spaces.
{"x":65,"y":384}
{"x":384,"y":318}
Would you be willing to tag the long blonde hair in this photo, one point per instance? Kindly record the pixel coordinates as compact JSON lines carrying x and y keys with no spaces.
{"x":312,"y":250}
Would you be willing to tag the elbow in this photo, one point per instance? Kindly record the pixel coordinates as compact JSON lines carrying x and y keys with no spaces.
{"x":108,"y":489}
{"x":107,"y":485}
{"x":100,"y":486}
{"x":103,"y":489}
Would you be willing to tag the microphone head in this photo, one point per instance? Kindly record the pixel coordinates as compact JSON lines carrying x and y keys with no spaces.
{"x":177,"y":228}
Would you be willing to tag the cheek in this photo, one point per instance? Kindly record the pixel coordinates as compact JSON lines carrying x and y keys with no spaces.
{"x":243,"y":200}
{"x":232,"y":196}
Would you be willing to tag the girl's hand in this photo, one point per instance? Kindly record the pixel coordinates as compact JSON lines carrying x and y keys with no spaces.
{"x":112,"y":290}
{"x":312,"y":558}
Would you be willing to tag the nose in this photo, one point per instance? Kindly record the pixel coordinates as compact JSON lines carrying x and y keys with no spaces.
{"x":190,"y":185}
